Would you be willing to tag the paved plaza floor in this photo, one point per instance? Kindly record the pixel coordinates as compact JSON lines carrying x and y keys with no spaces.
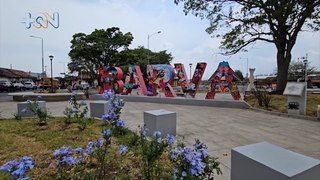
{"x":220,"y":128}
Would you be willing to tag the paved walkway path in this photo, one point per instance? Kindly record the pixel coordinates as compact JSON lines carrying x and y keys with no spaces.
{"x":220,"y":128}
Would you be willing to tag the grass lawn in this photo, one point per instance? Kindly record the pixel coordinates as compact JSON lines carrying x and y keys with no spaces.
{"x":279,"y":103}
{"x":25,"y":137}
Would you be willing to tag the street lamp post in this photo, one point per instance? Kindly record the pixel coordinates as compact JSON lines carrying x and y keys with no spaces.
{"x":42,"y":73}
{"x":148,"y":43}
{"x":190,"y":64}
{"x":305,"y":61}
{"x":51,"y":58}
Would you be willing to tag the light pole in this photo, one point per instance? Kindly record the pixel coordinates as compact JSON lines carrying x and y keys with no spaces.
{"x":51,"y":58}
{"x":190,"y":64}
{"x":148,"y":43}
{"x":42,"y":73}
{"x":305,"y":61}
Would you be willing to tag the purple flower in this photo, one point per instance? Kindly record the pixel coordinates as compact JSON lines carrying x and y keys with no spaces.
{"x":67,"y":160}
{"x":63,"y":151}
{"x":204,"y":152}
{"x":104,"y":117}
{"x":89,"y":147}
{"x":106,"y":133}
{"x":146,"y":131}
{"x":156,"y":133}
{"x":112,"y":115}
{"x":107,"y":94}
{"x":99,"y":143}
{"x":73,"y":94}
{"x":123,"y":149}
{"x":39,"y":97}
{"x":170,"y":139}
{"x":109,"y":115}
{"x":78,"y":150}
{"x":75,"y":110}
{"x":7,"y":167}
{"x":83,"y":103}
{"x":175,"y":173}
{"x":18,"y":168}
{"x":159,"y":140}
{"x":120,"y":123}
{"x":184,"y":174}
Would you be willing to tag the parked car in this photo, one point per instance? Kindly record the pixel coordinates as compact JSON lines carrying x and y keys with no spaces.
{"x":18,"y":86}
{"x":3,"y":88}
{"x":30,"y":85}
{"x":6,"y":86}
{"x":84,"y":85}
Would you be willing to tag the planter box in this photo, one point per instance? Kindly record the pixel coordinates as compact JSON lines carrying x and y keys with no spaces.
{"x":264,"y":161}
{"x":98,"y":108}
{"x":24,"y":105}
{"x":160,"y":120}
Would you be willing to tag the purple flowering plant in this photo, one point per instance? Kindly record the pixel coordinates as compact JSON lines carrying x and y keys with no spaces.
{"x":112,"y":116}
{"x":18,"y":169}
{"x":193,"y":162}
{"x":34,"y":107}
{"x":76,"y":112}
{"x":152,"y":149}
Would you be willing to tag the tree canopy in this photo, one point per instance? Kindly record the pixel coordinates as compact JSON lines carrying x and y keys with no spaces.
{"x":296,"y":70}
{"x":239,"y":75}
{"x":139,"y":56}
{"x":243,"y":22}
{"x":90,"y":52}
{"x":109,"y":47}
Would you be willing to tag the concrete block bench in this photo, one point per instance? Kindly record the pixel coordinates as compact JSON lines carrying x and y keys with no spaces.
{"x":24,"y":105}
{"x":98,"y":108}
{"x":160,"y":120}
{"x":265,"y":161}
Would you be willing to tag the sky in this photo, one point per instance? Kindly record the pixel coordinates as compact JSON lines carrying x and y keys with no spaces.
{"x":183,"y":36}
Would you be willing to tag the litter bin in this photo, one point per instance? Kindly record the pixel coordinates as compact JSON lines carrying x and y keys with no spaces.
{"x":296,"y":94}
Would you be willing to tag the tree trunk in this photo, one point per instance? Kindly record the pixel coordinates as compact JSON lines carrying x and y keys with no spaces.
{"x":283,"y":61}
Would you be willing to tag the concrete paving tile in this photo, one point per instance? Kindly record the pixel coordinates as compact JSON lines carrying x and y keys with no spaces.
{"x":220,"y":128}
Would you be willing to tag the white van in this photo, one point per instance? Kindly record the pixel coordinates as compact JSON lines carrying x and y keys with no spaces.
{"x":84,"y":85}
{"x":30,"y":85}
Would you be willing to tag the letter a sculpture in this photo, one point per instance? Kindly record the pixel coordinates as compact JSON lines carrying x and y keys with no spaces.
{"x":223,"y":78}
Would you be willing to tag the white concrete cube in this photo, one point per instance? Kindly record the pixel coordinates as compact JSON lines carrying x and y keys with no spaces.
{"x":160,"y":120}
{"x":265,"y":161}
{"x":24,"y":105}
{"x":98,"y":108}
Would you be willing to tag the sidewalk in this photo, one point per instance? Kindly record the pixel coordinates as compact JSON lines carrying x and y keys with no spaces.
{"x":220,"y":128}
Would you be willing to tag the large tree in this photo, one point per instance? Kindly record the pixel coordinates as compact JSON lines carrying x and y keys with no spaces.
{"x":139,"y":56}
{"x":296,"y":70}
{"x":248,"y":21}
{"x":90,"y":52}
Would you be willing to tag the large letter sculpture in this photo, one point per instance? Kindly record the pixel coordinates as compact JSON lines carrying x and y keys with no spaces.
{"x":134,"y":80}
{"x":111,"y":79}
{"x":160,"y":75}
{"x":181,"y":82}
{"x":223,"y":77}
{"x":196,"y":79}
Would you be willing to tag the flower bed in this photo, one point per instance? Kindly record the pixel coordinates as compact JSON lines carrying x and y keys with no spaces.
{"x":102,"y":149}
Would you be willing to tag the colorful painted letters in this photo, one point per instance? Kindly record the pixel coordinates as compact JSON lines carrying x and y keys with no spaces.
{"x":172,"y":81}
